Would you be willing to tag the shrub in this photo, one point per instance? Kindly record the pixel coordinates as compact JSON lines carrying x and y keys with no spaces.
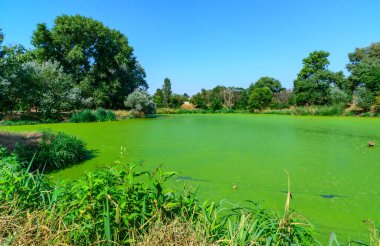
{"x":83,"y":116}
{"x":52,"y":152}
{"x":140,"y":103}
{"x":104,"y":115}
{"x":91,"y":116}
{"x":363,"y":98}
{"x":333,"y":110}
{"x":338,"y":96}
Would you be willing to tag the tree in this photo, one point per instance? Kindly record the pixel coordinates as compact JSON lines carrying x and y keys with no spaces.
{"x":158,"y":98}
{"x":177,"y":100}
{"x":200,"y":100}
{"x":99,"y":59}
{"x":56,"y":91}
{"x":338,"y":96}
{"x":364,"y":66}
{"x":273,"y":84}
{"x":363,"y":98}
{"x":259,"y":98}
{"x":216,"y":104}
{"x":16,"y":82}
{"x":314,"y":80}
{"x":140,"y":103}
{"x":166,"y":92}
{"x":281,"y":99}
{"x":26,"y":84}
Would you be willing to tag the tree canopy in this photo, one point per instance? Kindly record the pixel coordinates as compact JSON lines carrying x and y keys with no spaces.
{"x":273,"y":84}
{"x":166,"y":92}
{"x":364,"y":66}
{"x":313,"y":82}
{"x":99,"y":59}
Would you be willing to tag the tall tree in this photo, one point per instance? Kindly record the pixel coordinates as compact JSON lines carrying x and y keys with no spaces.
{"x":314,"y":80}
{"x":158,"y":98}
{"x":259,"y":98}
{"x":166,"y":92}
{"x":98,"y":58}
{"x":15,"y":79}
{"x":364,"y":66}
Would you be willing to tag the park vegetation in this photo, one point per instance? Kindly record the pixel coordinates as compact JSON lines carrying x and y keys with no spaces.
{"x":316,"y":90}
{"x":78,"y":63}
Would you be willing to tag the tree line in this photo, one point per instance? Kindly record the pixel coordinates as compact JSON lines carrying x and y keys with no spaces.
{"x":315,"y":85}
{"x":77,"y":63}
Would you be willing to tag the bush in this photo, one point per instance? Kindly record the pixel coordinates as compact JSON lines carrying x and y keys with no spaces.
{"x":363,"y":98}
{"x":140,"y":103}
{"x":91,"y":116}
{"x":54,"y":151}
{"x":83,"y":116}
{"x":104,"y":115}
{"x":338,"y":96}
{"x":333,"y":110}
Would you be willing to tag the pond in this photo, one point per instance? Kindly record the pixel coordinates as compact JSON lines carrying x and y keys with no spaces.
{"x":334,"y":175}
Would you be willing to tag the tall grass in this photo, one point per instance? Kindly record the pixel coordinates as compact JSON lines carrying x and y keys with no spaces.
{"x":53,"y":151}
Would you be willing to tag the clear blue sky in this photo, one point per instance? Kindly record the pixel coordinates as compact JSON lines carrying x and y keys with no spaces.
{"x":203,"y":43}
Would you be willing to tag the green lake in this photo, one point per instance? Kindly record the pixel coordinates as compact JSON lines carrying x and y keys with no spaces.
{"x":334,"y":175}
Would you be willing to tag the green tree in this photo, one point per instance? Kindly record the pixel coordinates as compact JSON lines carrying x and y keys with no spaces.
{"x":363,"y":98}
{"x":140,"y":103}
{"x":177,"y":100}
{"x":200,"y":99}
{"x":158,"y":98}
{"x":259,"y":98}
{"x":166,"y":92}
{"x":99,"y":59}
{"x":16,"y":82}
{"x":216,"y":104}
{"x":240,"y":98}
{"x":364,"y":66}
{"x":273,"y":84}
{"x":56,"y":91}
{"x":314,"y":80}
{"x":338,"y":96}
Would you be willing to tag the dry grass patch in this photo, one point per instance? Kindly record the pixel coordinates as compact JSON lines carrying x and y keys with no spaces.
{"x":9,"y":140}
{"x":172,"y":233}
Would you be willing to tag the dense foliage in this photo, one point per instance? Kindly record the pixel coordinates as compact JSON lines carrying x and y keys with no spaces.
{"x":52,"y":151}
{"x":140,"y":103}
{"x":98,"y":58}
{"x":87,"y":115}
{"x":125,"y":206}
{"x":78,"y":63}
